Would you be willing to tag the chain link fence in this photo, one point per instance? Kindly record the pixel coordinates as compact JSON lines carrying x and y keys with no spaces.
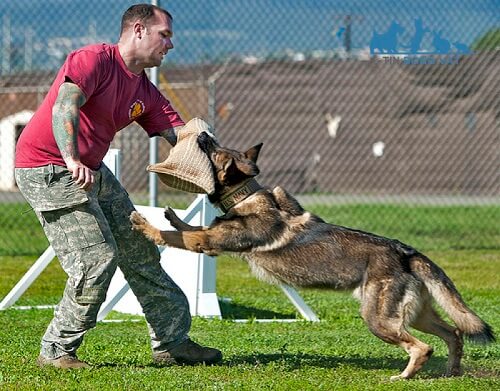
{"x":356,"y":102}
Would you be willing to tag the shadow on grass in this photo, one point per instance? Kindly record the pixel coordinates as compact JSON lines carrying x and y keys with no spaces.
{"x":434,"y":368}
{"x":237,"y":311}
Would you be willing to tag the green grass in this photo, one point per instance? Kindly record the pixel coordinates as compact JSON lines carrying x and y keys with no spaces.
{"x":20,"y":232}
{"x":337,"y":353}
{"x":423,"y":227}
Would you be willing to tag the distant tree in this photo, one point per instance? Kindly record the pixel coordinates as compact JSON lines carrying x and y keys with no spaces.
{"x":489,"y":41}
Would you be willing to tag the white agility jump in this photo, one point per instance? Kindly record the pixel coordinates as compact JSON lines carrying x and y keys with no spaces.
{"x":194,"y":273}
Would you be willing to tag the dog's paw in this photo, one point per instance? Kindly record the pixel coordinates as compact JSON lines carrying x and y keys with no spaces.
{"x":141,"y":225}
{"x":174,"y":220}
{"x":137,"y":220}
{"x":169,"y":213}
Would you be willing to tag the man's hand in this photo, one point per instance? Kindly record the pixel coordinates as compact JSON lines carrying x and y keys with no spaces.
{"x":82,"y":175}
{"x":170,"y":134}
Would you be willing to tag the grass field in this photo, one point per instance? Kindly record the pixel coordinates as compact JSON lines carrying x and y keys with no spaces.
{"x":424,"y":227}
{"x":337,"y":353}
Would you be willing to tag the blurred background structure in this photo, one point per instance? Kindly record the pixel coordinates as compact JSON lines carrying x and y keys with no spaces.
{"x":355,"y":101}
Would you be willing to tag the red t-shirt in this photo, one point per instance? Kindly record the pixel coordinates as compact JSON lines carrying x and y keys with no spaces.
{"x":115,"y":97}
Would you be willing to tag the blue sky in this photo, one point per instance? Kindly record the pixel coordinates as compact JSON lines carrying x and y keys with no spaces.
{"x":211,"y":29}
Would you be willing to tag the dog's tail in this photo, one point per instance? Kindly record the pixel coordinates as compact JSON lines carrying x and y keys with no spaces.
{"x":446,"y":295}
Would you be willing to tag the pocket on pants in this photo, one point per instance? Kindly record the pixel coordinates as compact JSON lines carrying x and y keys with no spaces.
{"x":49,"y":188}
{"x":97,"y":265}
{"x":71,"y":229}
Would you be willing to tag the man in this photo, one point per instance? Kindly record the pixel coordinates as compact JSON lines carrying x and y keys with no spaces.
{"x":83,"y":209}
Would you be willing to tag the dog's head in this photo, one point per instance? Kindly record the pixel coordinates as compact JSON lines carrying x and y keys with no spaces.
{"x":230,"y":167}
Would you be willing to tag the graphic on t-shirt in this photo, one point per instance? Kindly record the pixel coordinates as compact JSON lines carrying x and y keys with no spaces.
{"x":136,"y":109}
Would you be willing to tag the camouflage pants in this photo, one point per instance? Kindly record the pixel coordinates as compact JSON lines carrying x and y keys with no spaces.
{"x":91,"y":235}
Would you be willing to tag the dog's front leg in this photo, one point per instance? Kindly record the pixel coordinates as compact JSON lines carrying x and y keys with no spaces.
{"x":196,"y":241}
{"x":177,"y":223}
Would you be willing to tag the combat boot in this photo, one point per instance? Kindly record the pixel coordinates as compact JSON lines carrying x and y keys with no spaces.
{"x":65,"y":362}
{"x":188,"y":353}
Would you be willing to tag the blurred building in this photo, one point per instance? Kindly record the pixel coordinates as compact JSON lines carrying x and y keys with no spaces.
{"x":328,"y":125}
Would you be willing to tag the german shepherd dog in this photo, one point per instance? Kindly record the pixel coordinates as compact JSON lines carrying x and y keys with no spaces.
{"x":285,"y":244}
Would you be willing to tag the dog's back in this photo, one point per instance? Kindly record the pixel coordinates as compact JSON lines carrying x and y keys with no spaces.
{"x":300,"y":249}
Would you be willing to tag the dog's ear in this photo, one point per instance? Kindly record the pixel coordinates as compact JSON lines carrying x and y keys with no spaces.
{"x":248,"y":168}
{"x":234,"y":168}
{"x":228,"y":164}
{"x":227,"y":171}
{"x":253,"y":153}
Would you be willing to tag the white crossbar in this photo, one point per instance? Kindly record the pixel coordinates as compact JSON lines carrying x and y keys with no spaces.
{"x":31,"y":275}
{"x":299,"y":303}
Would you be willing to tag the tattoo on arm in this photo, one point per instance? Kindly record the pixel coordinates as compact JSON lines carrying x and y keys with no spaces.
{"x":66,"y":119}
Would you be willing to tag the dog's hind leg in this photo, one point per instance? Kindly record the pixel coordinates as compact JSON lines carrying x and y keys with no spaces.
{"x":419,"y":354}
{"x":383,"y":309}
{"x":430,"y":322}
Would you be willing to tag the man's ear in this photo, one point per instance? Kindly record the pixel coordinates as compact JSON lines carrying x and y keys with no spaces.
{"x":138,"y":27}
{"x":253,"y":153}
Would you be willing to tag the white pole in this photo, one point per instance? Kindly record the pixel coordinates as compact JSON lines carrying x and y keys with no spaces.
{"x":28,"y":49}
{"x":153,"y":143}
{"x":212,"y":103}
{"x":153,"y":154}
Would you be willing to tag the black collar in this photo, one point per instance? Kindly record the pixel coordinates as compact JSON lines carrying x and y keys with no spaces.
{"x":238,"y":193}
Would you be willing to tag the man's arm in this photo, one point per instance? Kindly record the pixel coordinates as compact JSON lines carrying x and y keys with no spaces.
{"x":170,"y":134}
{"x":65,"y":125}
